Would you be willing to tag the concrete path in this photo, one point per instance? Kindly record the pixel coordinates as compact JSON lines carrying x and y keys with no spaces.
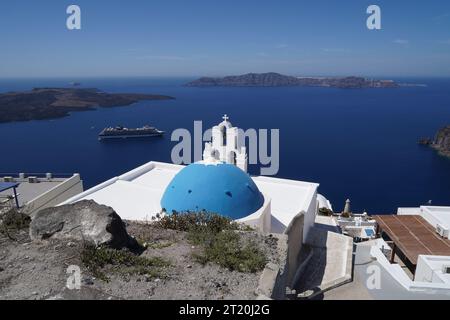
{"x":355,"y":290}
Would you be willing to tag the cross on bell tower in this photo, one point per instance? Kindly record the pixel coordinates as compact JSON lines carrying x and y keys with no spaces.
{"x":226,"y":146}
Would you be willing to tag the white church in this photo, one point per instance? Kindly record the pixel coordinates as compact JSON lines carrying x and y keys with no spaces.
{"x":219,"y":184}
{"x":226,"y":145}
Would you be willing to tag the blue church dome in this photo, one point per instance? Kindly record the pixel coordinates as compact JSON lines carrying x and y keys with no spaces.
{"x":219,"y":188}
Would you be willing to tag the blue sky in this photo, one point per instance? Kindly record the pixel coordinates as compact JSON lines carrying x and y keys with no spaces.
{"x":206,"y":37}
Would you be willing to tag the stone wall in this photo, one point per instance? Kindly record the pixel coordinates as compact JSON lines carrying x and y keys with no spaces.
{"x":272,"y":283}
{"x":294,"y":234}
{"x":275,"y":279}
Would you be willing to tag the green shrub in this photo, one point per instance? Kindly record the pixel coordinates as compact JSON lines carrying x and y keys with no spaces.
{"x":227,"y":250}
{"x":191,"y":220}
{"x":219,"y":238}
{"x":325,"y":212}
{"x":15,"y":220}
{"x":98,"y":259}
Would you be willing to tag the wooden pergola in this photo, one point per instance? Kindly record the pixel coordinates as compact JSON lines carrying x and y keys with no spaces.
{"x":413,"y":236}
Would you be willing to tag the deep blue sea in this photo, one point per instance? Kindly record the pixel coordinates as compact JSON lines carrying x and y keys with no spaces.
{"x":358,"y":144}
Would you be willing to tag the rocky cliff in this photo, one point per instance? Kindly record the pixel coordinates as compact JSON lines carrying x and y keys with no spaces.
{"x":442,"y":141}
{"x":272,"y":79}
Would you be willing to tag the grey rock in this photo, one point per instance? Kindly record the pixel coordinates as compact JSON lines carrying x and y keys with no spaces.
{"x":85,"y":220}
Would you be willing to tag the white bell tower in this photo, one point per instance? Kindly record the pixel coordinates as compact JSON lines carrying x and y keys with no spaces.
{"x":226,"y":145}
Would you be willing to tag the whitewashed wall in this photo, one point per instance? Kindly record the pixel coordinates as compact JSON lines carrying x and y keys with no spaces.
{"x":373,"y":268}
{"x":66,"y":190}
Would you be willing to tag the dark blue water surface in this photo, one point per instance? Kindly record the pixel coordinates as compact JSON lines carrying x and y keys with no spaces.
{"x":358,"y":144}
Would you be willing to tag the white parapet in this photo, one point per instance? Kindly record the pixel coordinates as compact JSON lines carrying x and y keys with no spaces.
{"x":385,"y":280}
{"x":59,"y":193}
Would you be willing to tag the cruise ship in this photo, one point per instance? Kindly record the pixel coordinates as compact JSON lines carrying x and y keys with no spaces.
{"x":122,"y":132}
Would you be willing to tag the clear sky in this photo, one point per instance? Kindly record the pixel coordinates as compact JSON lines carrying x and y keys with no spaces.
{"x":212,"y":37}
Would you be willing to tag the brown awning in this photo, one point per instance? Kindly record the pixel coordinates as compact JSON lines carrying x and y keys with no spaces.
{"x":413,"y":235}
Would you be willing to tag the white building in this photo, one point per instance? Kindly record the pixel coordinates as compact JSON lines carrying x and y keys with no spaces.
{"x":218,"y":184}
{"x":420,"y":236}
{"x":32,"y":193}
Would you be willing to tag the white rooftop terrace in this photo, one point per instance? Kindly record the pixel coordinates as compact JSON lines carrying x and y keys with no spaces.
{"x":288,"y":197}
{"x":136,"y":195}
{"x":28,"y":191}
{"x":432,"y":277}
{"x":39,"y":191}
{"x":434,"y":215}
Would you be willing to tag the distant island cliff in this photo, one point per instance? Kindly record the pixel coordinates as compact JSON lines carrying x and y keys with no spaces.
{"x":441,"y":142}
{"x":272,"y":79}
{"x":50,"y":103}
